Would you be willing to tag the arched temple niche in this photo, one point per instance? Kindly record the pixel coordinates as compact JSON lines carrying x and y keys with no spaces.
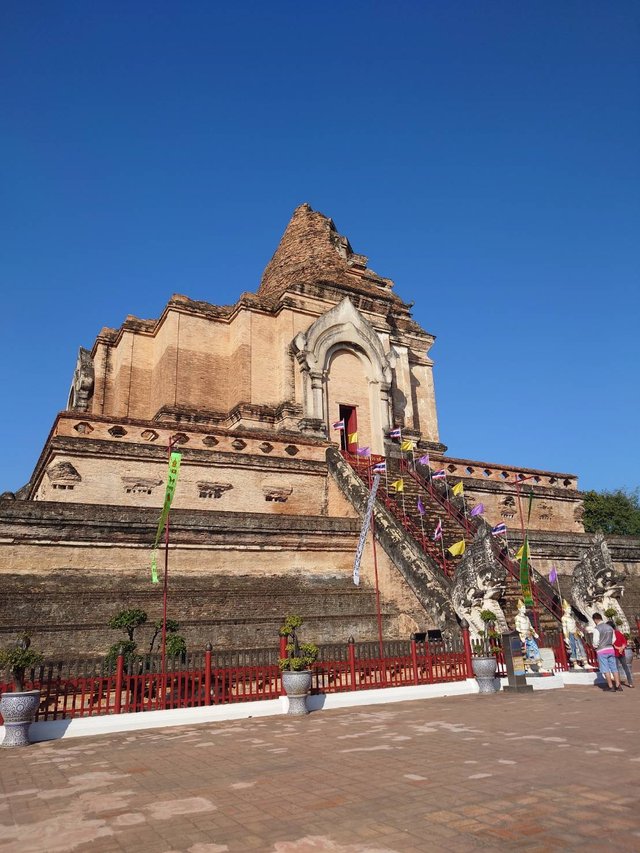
{"x":340,"y":352}
{"x":347,"y":384}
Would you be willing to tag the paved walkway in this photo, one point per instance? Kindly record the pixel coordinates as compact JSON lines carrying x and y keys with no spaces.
{"x":556,"y":770}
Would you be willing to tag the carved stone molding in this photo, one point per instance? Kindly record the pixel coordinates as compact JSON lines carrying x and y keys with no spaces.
{"x":83,"y":381}
{"x":212,"y":490}
{"x":140,"y":485}
{"x":277,"y":494}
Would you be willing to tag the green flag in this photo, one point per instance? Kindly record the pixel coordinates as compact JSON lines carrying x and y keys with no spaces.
{"x":172,"y":479}
{"x":525,"y":582}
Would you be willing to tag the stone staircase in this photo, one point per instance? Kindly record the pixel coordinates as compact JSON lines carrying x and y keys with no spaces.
{"x":441,"y":506}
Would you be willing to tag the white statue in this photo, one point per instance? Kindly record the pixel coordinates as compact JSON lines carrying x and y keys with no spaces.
{"x":528,"y":635}
{"x":572,"y":636}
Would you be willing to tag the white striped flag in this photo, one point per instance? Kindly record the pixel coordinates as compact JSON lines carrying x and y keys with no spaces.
{"x":499,"y":529}
{"x":439,"y":475}
{"x":437,"y":533}
{"x":339,"y":425}
{"x":379,"y":467}
{"x":395,"y":433}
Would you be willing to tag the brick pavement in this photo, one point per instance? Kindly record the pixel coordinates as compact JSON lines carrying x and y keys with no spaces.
{"x":556,"y":770}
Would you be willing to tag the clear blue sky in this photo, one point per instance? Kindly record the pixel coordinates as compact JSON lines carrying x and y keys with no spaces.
{"x":484,"y":155}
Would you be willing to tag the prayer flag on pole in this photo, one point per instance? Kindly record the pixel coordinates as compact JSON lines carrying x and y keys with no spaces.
{"x":524,"y":573}
{"x":339,"y":425}
{"x":457,"y":549}
{"x":379,"y":468}
{"x":439,"y":475}
{"x":407,"y":444}
{"x":363,"y":451}
{"x":172,"y":479}
{"x":458,"y":489}
{"x":499,"y":529}
{"x":437,"y":533}
{"x":395,"y":433}
{"x":366,"y":521}
{"x":398,"y":485}
{"x":352,"y":438}
{"x":553,"y":575}
{"x":421,"y":508}
{"x":521,"y":551}
{"x":424,"y":460}
{"x":477,"y":510}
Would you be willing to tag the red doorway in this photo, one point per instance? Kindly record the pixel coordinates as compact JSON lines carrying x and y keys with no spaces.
{"x":348,"y":414}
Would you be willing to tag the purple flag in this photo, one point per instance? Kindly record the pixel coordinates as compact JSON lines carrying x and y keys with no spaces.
{"x":553,"y":575}
{"x":424,"y":460}
{"x":421,"y":508}
{"x":477,"y":510}
{"x":363,"y":451}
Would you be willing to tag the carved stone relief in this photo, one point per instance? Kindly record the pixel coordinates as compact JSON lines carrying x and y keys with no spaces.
{"x":597,"y":586}
{"x":82,"y":383}
{"x":479,"y":583}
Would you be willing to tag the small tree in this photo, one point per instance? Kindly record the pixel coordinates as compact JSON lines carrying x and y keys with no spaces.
{"x":18,"y":659}
{"x":128,"y":620}
{"x":300,"y":656}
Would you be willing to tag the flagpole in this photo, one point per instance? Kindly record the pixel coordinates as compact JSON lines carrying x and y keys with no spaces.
{"x":165,"y":594}
{"x":375,"y":574}
{"x":444,"y":559}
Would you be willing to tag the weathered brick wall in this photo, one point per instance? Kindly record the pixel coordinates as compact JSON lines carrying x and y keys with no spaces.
{"x":65,"y":569}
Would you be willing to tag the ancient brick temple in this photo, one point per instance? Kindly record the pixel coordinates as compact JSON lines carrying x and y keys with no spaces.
{"x":266,"y":517}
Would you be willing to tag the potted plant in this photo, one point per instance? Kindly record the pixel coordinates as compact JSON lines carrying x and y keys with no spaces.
{"x":19,"y":707}
{"x":296,"y":672}
{"x":484,"y":660}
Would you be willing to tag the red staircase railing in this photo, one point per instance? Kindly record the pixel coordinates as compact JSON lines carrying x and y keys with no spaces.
{"x":540,"y":594}
{"x":363,"y":468}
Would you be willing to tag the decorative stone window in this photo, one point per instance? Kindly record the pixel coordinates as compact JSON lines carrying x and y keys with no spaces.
{"x":552,"y":481}
{"x":486,"y":473}
{"x":546,"y":511}
{"x":451,"y":468}
{"x":469,"y":469}
{"x":265,"y":447}
{"x":536,"y":479}
{"x":238,"y":444}
{"x":179,"y":438}
{"x":63,"y":476}
{"x":212,"y":490}
{"x":117,"y":431}
{"x":509,"y":501}
{"x":507,"y":513}
{"x":504,"y":475}
{"x":291,"y":449}
{"x":278,"y":495}
{"x":567,"y":482}
{"x":139,"y":486}
{"x":83,"y":428}
{"x":149,"y":434}
{"x":210,"y":441}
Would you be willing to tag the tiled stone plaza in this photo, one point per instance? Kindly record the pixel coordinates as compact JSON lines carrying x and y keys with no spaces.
{"x":556,"y":770}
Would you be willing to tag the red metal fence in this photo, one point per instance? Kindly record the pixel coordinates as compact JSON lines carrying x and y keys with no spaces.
{"x":94,"y":687}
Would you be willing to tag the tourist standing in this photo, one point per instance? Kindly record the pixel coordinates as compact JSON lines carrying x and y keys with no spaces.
{"x":603,"y":637}
{"x":620,"y":647}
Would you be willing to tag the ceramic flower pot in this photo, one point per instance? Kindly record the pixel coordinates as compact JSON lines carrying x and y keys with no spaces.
{"x":18,"y":710}
{"x":297,"y":686}
{"x":484,"y":669}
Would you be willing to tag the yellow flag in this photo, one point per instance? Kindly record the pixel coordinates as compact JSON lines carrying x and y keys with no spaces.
{"x":353,"y":438}
{"x":520,"y":553}
{"x":458,"y":489}
{"x":407,"y":444}
{"x":457,"y":548}
{"x":398,"y":485}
